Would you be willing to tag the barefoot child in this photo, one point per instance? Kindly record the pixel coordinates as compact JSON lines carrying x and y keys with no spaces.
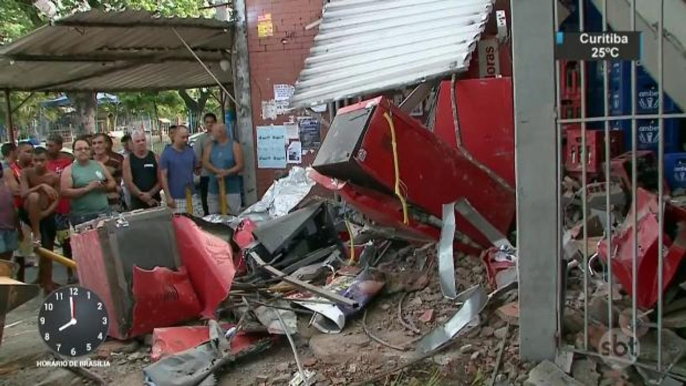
{"x":39,"y":188}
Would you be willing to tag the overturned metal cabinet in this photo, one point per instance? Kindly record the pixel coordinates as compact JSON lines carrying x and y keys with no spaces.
{"x":107,"y":251}
{"x":289,"y":239}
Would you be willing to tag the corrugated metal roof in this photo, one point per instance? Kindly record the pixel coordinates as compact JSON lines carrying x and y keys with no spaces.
{"x":117,"y":51}
{"x":367,"y":46}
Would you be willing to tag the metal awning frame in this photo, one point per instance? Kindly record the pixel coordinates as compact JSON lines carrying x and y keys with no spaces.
{"x":121,"y":59}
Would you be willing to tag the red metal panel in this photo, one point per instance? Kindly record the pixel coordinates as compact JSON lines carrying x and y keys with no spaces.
{"x":173,"y":340}
{"x":163,"y":298}
{"x":385,"y":210}
{"x":432,"y":172}
{"x":209,"y":262}
{"x":92,"y":274}
{"x":647,"y":255}
{"x":486,"y":119}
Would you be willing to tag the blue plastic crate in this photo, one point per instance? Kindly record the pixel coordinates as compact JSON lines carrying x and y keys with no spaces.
{"x":620,"y":70}
{"x":648,"y":134}
{"x":647,"y":98}
{"x":675,"y":170}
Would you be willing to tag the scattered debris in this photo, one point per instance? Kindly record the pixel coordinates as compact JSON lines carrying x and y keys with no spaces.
{"x":547,"y":374}
{"x":509,"y":313}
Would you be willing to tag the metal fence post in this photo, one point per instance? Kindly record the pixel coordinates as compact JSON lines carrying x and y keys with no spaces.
{"x":244,"y":122}
{"x":537,"y":177}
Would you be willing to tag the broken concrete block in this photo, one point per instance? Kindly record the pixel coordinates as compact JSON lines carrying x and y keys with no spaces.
{"x":509,"y":313}
{"x":585,"y":372}
{"x":673,"y":346}
{"x":565,"y":358}
{"x":598,"y":311}
{"x":547,"y":374}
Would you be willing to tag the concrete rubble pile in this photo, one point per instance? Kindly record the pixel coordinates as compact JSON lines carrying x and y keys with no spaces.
{"x":617,"y":280}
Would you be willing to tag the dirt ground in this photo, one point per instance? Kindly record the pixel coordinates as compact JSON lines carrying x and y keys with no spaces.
{"x":341,"y":359}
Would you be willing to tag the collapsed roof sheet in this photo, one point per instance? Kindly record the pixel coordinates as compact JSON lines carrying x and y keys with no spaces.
{"x":367,"y":46}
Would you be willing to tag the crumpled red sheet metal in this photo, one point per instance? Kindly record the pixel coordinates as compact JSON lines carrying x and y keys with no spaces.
{"x":243,"y":236}
{"x":93,"y":275}
{"x":162,"y":298}
{"x":493,"y":266}
{"x":647,"y":255}
{"x":209,"y":262}
{"x":172,"y":340}
{"x":386,"y":210}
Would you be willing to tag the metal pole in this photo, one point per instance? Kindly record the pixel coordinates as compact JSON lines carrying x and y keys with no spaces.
{"x":584,"y":176}
{"x":10,"y":124}
{"x":608,"y":185}
{"x":660,"y":174}
{"x":634,"y":188}
{"x":537,"y":177}
{"x":244,"y":121}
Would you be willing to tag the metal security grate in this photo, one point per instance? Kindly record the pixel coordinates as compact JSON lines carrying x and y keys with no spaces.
{"x":632,"y":283}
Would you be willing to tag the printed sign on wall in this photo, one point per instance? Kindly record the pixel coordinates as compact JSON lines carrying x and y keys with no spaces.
{"x":265,"y":27}
{"x":271,"y":147}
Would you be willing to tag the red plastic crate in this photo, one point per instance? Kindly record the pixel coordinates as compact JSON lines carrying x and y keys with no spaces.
{"x":570,"y":108}
{"x":595,"y":145}
{"x":570,"y":79}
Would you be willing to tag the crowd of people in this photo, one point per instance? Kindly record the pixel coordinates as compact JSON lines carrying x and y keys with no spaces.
{"x":51,"y":191}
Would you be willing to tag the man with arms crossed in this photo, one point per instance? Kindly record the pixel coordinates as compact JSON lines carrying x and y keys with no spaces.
{"x":141,"y":174}
{"x":58,"y":160}
{"x":209,"y":120}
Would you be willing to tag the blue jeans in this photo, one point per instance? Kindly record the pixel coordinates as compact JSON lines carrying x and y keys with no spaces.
{"x":9,"y":240}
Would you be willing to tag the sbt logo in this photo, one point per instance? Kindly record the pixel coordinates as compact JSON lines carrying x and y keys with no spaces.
{"x":618,"y":349}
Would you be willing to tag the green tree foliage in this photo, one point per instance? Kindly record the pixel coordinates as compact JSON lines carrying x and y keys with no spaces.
{"x":19,"y":17}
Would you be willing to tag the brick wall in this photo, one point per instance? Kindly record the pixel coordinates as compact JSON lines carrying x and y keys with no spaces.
{"x":278,"y":59}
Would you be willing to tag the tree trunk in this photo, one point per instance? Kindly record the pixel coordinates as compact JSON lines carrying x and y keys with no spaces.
{"x":86,"y":105}
{"x":195,"y":107}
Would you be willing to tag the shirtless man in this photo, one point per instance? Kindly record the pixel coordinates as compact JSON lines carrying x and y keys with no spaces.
{"x":39,"y":188}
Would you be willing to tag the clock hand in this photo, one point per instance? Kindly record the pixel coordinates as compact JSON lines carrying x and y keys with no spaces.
{"x":71,"y":304}
{"x":71,"y":323}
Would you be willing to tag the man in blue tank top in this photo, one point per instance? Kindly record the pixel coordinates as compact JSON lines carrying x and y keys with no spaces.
{"x":177,"y":166}
{"x":223,"y":157}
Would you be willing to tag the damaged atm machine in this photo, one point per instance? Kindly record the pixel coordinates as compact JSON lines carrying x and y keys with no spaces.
{"x":449,"y":167}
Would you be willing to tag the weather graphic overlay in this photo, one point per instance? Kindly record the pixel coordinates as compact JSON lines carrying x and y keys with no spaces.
{"x":594,"y":46}
{"x":73,"y":321}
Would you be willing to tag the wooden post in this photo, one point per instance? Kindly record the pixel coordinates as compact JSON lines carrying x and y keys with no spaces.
{"x":10,"y":124}
{"x":222,"y":196}
{"x":189,"y":201}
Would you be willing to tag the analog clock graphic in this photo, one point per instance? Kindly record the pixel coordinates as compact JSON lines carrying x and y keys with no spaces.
{"x":73,"y":321}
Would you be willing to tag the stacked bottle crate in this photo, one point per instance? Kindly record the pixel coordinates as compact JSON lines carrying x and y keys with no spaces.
{"x":648,"y":101}
{"x":570,"y":95}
